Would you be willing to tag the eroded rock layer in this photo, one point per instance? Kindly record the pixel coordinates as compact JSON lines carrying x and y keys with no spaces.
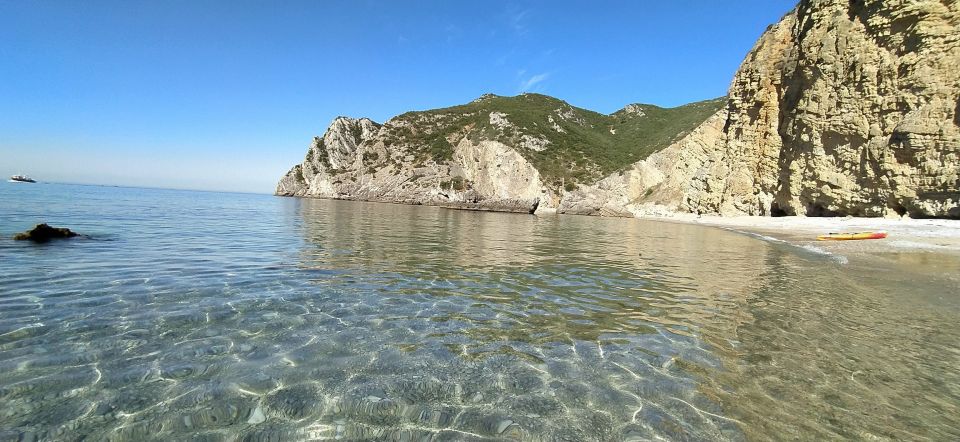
{"x":351,"y":162}
{"x":516,"y":154}
{"x":844,"y":107}
{"x":849,"y":108}
{"x":841,"y":108}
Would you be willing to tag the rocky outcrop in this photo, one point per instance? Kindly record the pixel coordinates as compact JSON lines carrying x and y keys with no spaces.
{"x":517,"y":154}
{"x":354,"y":160}
{"x":849,"y":108}
{"x":42,"y":233}
{"x":842,"y":108}
{"x":661,"y":184}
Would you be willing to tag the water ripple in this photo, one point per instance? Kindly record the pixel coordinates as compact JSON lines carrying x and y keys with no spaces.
{"x":240,"y":317}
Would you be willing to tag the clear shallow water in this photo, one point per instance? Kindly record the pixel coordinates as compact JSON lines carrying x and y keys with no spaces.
{"x":245,"y":317}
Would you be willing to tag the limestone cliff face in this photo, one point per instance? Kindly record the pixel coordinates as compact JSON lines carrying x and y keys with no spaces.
{"x":665,"y":182}
{"x":842,"y":108}
{"x":849,"y":107}
{"x":518,"y":154}
{"x":355,"y":160}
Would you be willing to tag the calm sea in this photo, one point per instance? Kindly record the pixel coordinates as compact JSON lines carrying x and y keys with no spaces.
{"x":217,"y":316}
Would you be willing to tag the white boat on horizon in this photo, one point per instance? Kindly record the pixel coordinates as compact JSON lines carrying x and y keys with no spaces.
{"x":21,"y":179}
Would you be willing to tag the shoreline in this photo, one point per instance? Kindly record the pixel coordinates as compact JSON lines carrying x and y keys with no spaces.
{"x":927,"y":248}
{"x":905,"y":235}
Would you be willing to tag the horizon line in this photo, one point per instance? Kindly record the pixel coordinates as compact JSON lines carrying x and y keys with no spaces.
{"x":130,"y":186}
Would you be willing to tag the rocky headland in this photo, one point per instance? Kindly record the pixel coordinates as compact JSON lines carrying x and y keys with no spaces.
{"x":843,"y":108}
{"x":515,"y":154}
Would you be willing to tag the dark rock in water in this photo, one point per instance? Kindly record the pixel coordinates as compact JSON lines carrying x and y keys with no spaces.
{"x":44,"y":233}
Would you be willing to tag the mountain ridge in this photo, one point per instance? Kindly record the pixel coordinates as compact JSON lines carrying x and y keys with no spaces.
{"x":560,"y":145}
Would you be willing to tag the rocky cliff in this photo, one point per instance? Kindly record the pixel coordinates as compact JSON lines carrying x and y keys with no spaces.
{"x":844,"y":107}
{"x":516,"y":154}
{"x":841,"y":108}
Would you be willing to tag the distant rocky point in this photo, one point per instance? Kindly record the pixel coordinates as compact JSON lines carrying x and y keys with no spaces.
{"x":843,"y":108}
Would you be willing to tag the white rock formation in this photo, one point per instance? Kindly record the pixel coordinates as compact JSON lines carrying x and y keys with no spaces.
{"x":844,"y":107}
{"x":484,"y":175}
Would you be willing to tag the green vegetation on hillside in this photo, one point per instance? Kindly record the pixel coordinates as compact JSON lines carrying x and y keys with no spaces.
{"x":577,"y":146}
{"x":321,"y":150}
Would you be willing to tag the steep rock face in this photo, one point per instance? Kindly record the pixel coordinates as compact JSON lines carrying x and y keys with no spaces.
{"x":842,"y":108}
{"x":354,"y":161}
{"x":336,"y":150}
{"x":499,"y":173}
{"x":515,"y":154}
{"x":665,"y":182}
{"x":858,"y":100}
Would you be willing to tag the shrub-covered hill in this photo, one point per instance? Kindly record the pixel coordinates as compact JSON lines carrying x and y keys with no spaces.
{"x":494,"y":153}
{"x":567,"y":144}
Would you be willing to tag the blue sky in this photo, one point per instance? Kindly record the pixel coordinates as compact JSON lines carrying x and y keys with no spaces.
{"x":226,"y":95}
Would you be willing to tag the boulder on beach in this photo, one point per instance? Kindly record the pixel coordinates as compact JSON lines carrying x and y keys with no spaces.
{"x":44,"y":233}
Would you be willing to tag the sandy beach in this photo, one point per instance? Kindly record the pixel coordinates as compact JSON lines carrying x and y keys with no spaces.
{"x":903,"y":234}
{"x":924,"y":246}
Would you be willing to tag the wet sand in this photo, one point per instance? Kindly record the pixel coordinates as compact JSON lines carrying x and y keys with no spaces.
{"x":932,"y":235}
{"x":925,"y":247}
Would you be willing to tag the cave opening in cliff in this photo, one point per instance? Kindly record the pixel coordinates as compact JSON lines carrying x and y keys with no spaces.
{"x":819,"y":210}
{"x":899,"y":209}
{"x":776,"y":211}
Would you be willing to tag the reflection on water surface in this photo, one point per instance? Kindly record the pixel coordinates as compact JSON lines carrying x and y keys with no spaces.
{"x":256,"y":318}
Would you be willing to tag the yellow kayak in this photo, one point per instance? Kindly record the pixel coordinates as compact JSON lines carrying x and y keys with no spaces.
{"x":852,"y":236}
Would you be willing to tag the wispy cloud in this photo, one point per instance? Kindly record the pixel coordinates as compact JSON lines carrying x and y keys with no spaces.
{"x":532,"y":83}
{"x":517,"y":19}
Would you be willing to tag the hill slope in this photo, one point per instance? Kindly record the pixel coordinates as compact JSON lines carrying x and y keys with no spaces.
{"x":497,"y":153}
{"x":844,"y":107}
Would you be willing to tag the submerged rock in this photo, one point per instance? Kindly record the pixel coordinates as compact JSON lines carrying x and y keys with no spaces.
{"x":44,"y":233}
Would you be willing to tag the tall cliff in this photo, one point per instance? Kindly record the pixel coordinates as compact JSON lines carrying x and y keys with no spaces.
{"x":515,"y":154}
{"x":844,"y":107}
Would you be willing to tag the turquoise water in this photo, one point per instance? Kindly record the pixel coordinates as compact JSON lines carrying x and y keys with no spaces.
{"x":215,"y":316}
